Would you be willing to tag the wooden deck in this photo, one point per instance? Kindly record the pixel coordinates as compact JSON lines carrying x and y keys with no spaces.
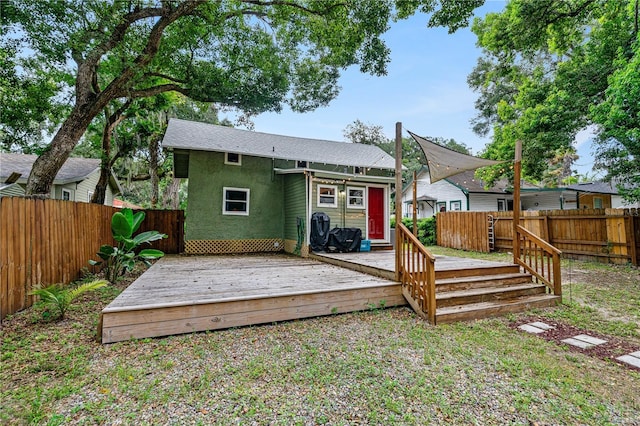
{"x":184,"y":294}
{"x":382,"y":264}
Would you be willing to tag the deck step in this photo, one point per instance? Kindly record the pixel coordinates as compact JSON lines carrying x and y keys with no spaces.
{"x":477,"y":271}
{"x":487,"y":294}
{"x":469,"y":282}
{"x":494,"y":308}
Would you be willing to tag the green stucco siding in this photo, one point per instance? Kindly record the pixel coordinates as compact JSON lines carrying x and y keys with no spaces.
{"x":295,"y":202}
{"x":208,"y":175}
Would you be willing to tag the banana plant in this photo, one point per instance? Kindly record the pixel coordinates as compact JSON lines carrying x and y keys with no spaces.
{"x":121,"y":258}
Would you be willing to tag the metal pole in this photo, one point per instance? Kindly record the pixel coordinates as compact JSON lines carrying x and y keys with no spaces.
{"x":398,"y":195}
{"x":517,"y":170}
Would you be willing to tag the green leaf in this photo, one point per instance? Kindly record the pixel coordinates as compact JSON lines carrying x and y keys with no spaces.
{"x":121,"y":226}
{"x":148,"y":236}
{"x":151,"y":254}
{"x":137,"y":220}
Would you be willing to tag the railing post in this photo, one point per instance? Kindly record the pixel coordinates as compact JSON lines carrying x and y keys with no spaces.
{"x":398,"y":194}
{"x":516,"y":200}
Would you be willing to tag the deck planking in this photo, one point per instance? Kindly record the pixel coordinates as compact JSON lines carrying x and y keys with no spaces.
{"x":182,"y":294}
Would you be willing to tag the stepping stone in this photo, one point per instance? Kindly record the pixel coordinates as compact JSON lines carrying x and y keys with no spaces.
{"x":630,"y":359}
{"x":591,"y":340}
{"x":584,"y":341}
{"x":529,"y":328}
{"x":542,"y":325}
{"x":579,"y":343}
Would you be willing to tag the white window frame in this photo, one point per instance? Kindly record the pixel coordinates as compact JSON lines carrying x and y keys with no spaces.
{"x":89,"y":196}
{"x":502,"y":205}
{"x":320,"y":203}
{"x":454,"y":204}
{"x":232,"y":163}
{"x":362,"y":197}
{"x":224,"y":201}
{"x":67,"y":192}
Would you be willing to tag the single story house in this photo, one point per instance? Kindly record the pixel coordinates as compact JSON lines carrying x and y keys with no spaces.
{"x":75,"y":181}
{"x":254,"y":192}
{"x":464,"y":191}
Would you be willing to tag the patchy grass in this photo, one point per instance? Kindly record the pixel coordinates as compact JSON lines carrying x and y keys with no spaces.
{"x":382,"y":366}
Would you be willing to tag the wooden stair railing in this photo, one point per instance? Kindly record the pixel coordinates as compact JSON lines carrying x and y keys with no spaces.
{"x":539,"y":258}
{"x":417,"y":273}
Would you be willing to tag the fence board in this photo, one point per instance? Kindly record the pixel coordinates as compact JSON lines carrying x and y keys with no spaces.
{"x":610,"y":235}
{"x":51,"y":241}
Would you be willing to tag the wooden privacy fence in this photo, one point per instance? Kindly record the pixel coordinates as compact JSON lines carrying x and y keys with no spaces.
{"x":608,"y":235}
{"x":51,"y":241}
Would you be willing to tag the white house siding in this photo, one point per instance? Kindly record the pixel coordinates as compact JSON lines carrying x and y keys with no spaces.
{"x":546,"y":200}
{"x":486,"y":202}
{"x":12,"y":190}
{"x":443,"y":191}
{"x":80,"y":190}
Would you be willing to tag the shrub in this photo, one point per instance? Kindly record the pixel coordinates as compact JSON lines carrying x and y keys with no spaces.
{"x":60,"y":297}
{"x":426,"y":229}
{"x":122,"y":258}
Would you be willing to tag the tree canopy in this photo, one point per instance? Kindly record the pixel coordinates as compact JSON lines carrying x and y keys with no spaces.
{"x":549,"y":69}
{"x":253,"y":55}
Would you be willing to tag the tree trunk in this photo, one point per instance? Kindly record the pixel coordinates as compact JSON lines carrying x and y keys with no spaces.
{"x":111,"y":121}
{"x":171,"y":195}
{"x":153,"y":169}
{"x":46,"y":166}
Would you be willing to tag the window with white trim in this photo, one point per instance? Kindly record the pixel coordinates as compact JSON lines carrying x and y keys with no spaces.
{"x":235,"y":201}
{"x":89,"y":196}
{"x":232,"y":158}
{"x":327,"y":196}
{"x":66,"y":195}
{"x":355,"y":198}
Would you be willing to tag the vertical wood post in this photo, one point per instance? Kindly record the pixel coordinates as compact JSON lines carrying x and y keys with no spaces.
{"x":517,"y":170}
{"x":398,"y":195}
{"x":415,"y":203}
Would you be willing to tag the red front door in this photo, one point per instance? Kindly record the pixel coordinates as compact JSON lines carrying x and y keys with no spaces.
{"x":375,"y":213}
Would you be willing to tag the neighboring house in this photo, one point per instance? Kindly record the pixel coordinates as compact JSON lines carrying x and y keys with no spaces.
{"x":75,"y":181}
{"x":464,"y":192}
{"x":459,"y":192}
{"x":251,"y":191}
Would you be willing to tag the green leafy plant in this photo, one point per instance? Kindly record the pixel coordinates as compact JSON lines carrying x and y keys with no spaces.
{"x":60,"y":297}
{"x":122,"y":258}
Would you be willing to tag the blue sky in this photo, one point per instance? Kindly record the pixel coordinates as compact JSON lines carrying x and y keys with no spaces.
{"x":425,"y":89}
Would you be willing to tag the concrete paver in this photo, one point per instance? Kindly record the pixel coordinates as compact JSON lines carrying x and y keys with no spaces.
{"x":631,"y":360}
{"x":531,"y":329}
{"x":579,"y":343}
{"x":589,"y":339}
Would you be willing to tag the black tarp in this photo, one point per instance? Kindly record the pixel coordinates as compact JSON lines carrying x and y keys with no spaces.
{"x":320,"y":224}
{"x":344,"y":240}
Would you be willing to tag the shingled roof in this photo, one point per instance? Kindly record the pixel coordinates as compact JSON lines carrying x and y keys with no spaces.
{"x":191,"y":135}
{"x":73,"y":170}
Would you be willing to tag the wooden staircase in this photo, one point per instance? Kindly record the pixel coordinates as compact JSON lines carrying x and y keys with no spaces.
{"x":482,"y":292}
{"x":458,"y":293}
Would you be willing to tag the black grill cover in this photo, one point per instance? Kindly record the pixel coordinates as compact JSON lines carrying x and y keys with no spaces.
{"x":320,"y":223}
{"x":344,"y":240}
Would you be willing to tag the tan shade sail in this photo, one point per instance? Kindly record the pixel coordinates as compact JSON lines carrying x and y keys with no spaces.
{"x":444,"y":162}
